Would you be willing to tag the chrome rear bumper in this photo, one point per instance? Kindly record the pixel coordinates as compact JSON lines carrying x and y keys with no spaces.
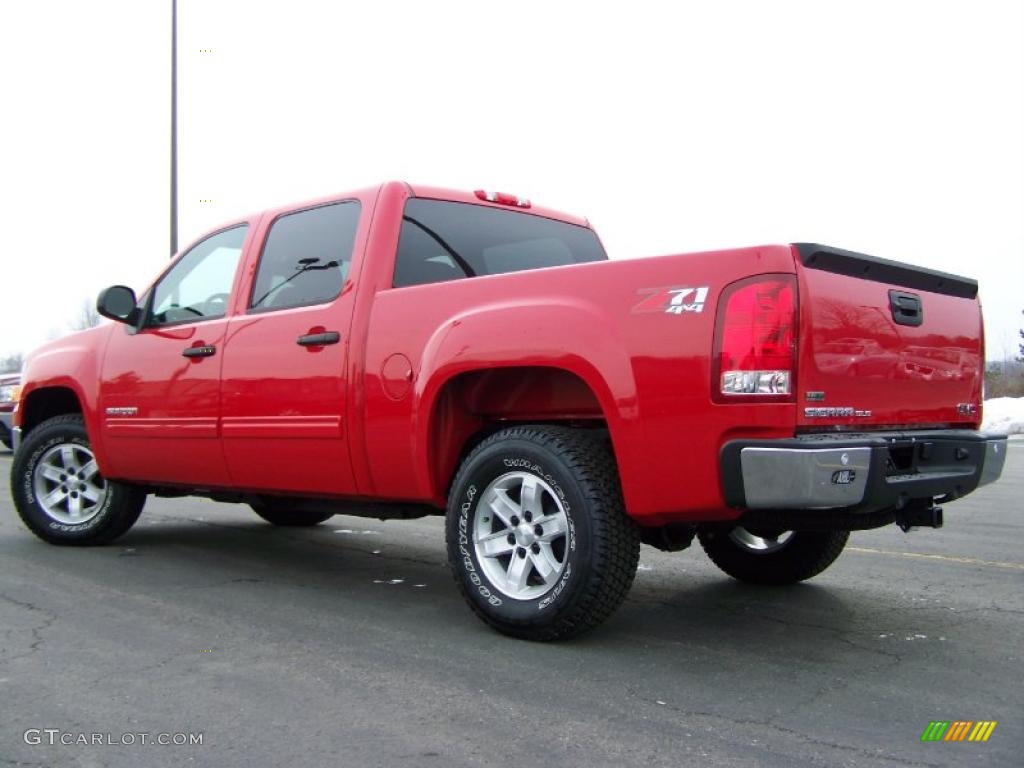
{"x":863,"y":473}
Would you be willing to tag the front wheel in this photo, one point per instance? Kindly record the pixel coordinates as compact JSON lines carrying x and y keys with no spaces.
{"x":538,"y":539}
{"x":59,"y":492}
{"x":772,"y":556}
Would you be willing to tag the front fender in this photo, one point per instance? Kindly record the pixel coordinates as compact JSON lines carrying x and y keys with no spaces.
{"x":73,"y":363}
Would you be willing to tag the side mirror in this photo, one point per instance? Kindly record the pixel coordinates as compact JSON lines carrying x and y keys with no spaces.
{"x":118,"y":302}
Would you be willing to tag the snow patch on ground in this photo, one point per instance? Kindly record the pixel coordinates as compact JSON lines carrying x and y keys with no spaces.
{"x":1004,"y":414}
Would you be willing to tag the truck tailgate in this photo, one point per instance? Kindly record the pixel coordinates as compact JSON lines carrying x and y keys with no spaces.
{"x":885,"y":344}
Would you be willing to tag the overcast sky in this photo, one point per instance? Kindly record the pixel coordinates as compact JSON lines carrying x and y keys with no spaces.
{"x":894,"y":128}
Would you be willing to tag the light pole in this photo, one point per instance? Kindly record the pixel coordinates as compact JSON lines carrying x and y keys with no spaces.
{"x":174,"y":127}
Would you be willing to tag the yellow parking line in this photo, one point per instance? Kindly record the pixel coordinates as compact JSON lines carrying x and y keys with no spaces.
{"x":945,"y":558}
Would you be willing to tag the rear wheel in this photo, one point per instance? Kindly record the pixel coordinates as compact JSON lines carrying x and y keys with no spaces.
{"x":772,"y":556}
{"x":538,"y":539}
{"x":59,"y":492}
{"x":286,"y":513}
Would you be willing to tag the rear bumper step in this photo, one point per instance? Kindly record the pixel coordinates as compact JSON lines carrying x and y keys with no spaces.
{"x":862,"y":473}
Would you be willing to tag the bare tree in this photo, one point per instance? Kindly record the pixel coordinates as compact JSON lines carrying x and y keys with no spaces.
{"x":1021,"y":346}
{"x":11,"y":363}
{"x":88,"y":317}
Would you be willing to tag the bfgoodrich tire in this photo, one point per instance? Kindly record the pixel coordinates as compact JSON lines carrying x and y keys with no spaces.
{"x":538,"y":539}
{"x":772,"y":557}
{"x":285,"y":513}
{"x":59,"y":492}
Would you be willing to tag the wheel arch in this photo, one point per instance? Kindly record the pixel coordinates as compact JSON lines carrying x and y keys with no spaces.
{"x":59,"y":398}
{"x":470,"y":405}
{"x":45,"y":402}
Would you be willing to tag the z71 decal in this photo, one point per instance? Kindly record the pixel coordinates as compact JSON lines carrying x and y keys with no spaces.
{"x":672,"y":301}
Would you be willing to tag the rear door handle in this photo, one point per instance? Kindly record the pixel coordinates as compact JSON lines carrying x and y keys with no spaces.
{"x":202,"y":351}
{"x":319,"y":339}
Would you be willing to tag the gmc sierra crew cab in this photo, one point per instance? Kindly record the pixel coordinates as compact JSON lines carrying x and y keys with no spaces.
{"x":404,"y":351}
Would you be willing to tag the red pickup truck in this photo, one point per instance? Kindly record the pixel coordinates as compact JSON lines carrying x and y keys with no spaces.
{"x":404,"y":351}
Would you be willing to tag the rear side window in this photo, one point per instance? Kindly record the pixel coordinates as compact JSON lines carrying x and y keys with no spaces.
{"x":448,"y":241}
{"x":306,"y":257}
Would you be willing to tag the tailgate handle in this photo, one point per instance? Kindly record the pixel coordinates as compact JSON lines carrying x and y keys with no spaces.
{"x":906,"y":308}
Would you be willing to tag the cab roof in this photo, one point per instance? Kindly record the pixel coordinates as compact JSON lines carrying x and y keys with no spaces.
{"x":432,"y":193}
{"x":368,"y":194}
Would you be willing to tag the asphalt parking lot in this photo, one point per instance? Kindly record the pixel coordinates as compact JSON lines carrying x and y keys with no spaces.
{"x":348,"y":645}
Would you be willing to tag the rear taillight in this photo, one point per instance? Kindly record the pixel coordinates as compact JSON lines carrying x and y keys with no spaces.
{"x":755,"y":339}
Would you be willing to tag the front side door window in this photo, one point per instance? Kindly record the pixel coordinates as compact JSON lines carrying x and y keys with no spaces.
{"x":198,"y":286}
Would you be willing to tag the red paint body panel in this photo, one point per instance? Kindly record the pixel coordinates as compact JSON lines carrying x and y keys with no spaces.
{"x":649,"y":372}
{"x":73,"y":364}
{"x":174,"y":436}
{"x":904,"y":375}
{"x":283,"y":405}
{"x":387,"y":412}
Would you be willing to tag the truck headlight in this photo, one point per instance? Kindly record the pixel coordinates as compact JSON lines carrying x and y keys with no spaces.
{"x":9,"y":393}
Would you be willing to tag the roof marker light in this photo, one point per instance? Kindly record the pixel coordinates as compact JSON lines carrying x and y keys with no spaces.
{"x":502,"y":198}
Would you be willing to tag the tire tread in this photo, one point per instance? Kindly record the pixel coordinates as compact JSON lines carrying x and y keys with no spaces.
{"x":131,"y":499}
{"x":587,"y":456}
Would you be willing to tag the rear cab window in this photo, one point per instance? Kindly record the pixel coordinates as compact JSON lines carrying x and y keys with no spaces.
{"x":306,"y":257}
{"x":443,"y":240}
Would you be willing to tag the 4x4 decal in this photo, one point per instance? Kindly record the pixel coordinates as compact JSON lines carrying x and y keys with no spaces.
{"x":673,"y":301}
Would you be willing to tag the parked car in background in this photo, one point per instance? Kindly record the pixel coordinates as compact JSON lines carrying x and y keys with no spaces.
{"x":856,"y":357}
{"x":10,"y":389}
{"x":937,"y":364}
